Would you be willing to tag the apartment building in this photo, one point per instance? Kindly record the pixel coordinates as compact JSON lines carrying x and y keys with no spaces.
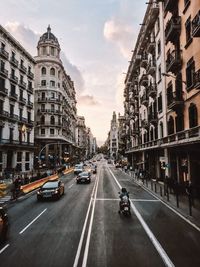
{"x":161,"y":93}
{"x":55,"y":103}
{"x":81,"y":137}
{"x":16,"y":107}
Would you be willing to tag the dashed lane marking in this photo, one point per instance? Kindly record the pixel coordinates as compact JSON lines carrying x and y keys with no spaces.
{"x":4,"y":248}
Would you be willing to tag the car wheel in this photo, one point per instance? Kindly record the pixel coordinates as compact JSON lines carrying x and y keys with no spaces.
{"x":39,"y":198}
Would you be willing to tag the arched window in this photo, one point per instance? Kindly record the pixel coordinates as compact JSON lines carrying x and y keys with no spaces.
{"x":171,"y":125}
{"x":42,"y":119}
{"x":52,"y":120}
{"x":52,"y":72}
{"x":193,"y":115}
{"x":161,"y":129}
{"x":43,"y":71}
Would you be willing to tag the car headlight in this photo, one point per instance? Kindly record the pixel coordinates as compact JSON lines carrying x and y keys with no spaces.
{"x":39,"y":192}
{"x":56,"y":191}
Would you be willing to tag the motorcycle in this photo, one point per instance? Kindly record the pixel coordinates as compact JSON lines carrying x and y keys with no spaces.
{"x":124,"y":206}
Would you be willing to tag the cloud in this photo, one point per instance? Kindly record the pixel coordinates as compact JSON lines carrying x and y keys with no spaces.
{"x":87,"y":100}
{"x":29,"y":39}
{"x":119,"y":33}
{"x":26,"y":36}
{"x":74,"y":73}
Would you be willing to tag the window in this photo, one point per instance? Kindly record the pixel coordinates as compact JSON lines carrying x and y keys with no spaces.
{"x":11,"y":134}
{"x":27,"y":167}
{"x":28,"y":137}
{"x":12,"y":89}
{"x":42,"y":119}
{"x":44,"y":50}
{"x":161,"y":129}
{"x":19,"y":156}
{"x":52,"y":107}
{"x":43,"y":83}
{"x":159,"y":73}
{"x":190,"y":70}
{"x":188,"y":30}
{"x":1,"y":132}
{"x":52,"y":51}
{"x":43,"y":71}
{"x":11,"y":110}
{"x":52,"y":95}
{"x":52,"y":83}
{"x":2,"y":83}
{"x":51,"y":131}
{"x":160,"y":103}
{"x":52,"y":72}
{"x":158,"y":47}
{"x":20,"y":114}
{"x":193,"y":115}
{"x":43,"y":107}
{"x":43,"y":131}
{"x":43,"y":95}
{"x":1,"y":106}
{"x":52,"y":120}
{"x":27,"y":156}
{"x":29,"y":116}
{"x":19,"y":167}
{"x":171,"y":125}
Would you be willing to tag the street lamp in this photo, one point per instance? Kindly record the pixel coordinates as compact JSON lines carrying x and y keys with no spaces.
{"x":172,"y":76}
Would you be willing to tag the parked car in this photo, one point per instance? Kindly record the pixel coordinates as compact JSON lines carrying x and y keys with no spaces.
{"x":83,"y":177}
{"x":4,"y":225}
{"x":78,"y":168}
{"x":53,"y":189}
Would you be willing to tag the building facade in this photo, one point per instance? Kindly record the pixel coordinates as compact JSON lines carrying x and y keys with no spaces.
{"x":81,"y":137}
{"x":162,"y":111}
{"x":16,"y":107}
{"x":55,"y":104}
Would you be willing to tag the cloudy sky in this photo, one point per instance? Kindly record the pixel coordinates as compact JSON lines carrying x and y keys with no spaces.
{"x":96,"y":39}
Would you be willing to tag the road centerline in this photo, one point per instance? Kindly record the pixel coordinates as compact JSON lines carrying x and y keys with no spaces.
{"x":23,"y":230}
{"x":150,"y":234}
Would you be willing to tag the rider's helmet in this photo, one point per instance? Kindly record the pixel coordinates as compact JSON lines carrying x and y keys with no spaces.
{"x":124,"y":190}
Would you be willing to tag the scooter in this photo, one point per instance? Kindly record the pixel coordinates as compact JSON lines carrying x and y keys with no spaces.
{"x":124,"y":206}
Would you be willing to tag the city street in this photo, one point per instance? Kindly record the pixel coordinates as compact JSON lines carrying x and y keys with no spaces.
{"x":84,"y":228}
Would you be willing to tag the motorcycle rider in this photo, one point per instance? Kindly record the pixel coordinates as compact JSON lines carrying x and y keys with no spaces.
{"x":123,"y":193}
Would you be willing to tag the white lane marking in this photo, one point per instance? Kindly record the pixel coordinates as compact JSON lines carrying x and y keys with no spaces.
{"x":85,"y":257}
{"x":21,"y":232}
{"x":176,"y":212}
{"x":132,"y":199}
{"x":5,"y":247}
{"x":153,"y":239}
{"x":83,"y":230}
{"x":70,"y":186}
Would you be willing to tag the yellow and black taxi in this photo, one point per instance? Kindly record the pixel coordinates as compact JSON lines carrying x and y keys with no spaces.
{"x":4,"y":225}
{"x":52,"y":189}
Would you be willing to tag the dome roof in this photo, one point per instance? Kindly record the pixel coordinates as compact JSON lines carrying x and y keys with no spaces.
{"x":48,"y":37}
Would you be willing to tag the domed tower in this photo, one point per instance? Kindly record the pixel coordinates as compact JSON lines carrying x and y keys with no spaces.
{"x":55,"y":104}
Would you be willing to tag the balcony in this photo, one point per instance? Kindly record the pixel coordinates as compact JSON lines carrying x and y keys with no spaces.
{"x":151,"y":46}
{"x":152,"y":117}
{"x":4,"y":53}
{"x":22,"y":100}
{"x":144,"y":79}
{"x":175,"y":100}
{"x":173,"y":29}
{"x":13,"y":96}
{"x":30,"y":75}
{"x":134,"y":132}
{"x":144,"y":124}
{"x":170,"y":5}
{"x":197,"y":79}
{"x":3,"y":91}
{"x":196,"y":25}
{"x":30,"y":89}
{"x":22,"y":84}
{"x":152,"y":90}
{"x":14,"y":62}
{"x":152,"y":16}
{"x":144,"y":61}
{"x":13,"y":78}
{"x":13,"y":117}
{"x":29,"y":104}
{"x":3,"y":72}
{"x":41,"y":100}
{"x":22,"y":68}
{"x":173,"y":62}
{"x":151,"y":67}
{"x":4,"y":114}
{"x":145,"y":100}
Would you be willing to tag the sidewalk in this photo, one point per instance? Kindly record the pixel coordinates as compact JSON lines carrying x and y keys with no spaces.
{"x":180,"y":203}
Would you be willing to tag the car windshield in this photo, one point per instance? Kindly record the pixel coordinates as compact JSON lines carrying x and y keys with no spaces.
{"x":84,"y":174}
{"x":50,"y":185}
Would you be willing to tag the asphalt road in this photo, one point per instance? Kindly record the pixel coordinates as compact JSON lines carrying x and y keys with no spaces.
{"x":84,"y":228}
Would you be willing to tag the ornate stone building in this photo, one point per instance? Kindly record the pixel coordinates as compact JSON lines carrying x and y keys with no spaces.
{"x":55,"y":103}
{"x":16,"y":106}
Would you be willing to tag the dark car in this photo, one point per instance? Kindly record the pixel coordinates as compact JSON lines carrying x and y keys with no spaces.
{"x":83,"y":177}
{"x":4,"y":225}
{"x":51,"y":190}
{"x":94,"y":169}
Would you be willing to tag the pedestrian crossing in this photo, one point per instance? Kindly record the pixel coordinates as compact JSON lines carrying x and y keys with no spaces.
{"x":4,"y":199}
